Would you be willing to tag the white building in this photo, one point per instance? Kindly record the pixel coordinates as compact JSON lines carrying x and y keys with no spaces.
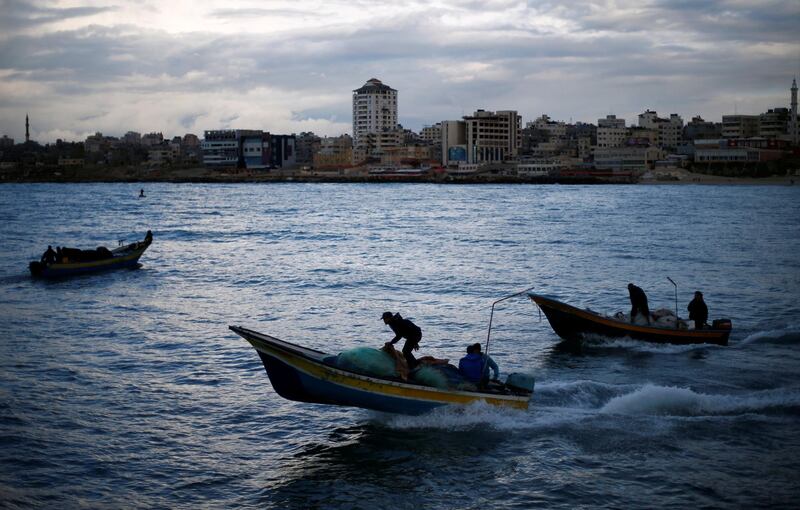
{"x":669,"y":130}
{"x":793,"y":135}
{"x":611,"y":132}
{"x":740,"y":126}
{"x":374,"y":111}
{"x":432,"y":133}
{"x":554,"y":129}
{"x":633,"y":159}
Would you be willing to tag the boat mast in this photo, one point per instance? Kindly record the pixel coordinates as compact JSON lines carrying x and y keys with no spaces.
{"x":491,"y":316}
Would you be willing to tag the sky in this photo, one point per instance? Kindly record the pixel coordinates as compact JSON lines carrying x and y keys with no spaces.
{"x":177,"y":66}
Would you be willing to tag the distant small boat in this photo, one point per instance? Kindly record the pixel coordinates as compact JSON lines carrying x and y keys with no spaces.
{"x":302,"y":374}
{"x":571,"y":323}
{"x":89,"y":262}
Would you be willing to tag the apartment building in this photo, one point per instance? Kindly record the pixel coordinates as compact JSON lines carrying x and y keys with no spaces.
{"x":492,"y":136}
{"x":374,"y":113}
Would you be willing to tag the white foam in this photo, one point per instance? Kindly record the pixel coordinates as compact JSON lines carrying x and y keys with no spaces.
{"x":772,"y":335}
{"x":673,"y":401}
{"x":641,"y":346}
{"x":461,"y":418}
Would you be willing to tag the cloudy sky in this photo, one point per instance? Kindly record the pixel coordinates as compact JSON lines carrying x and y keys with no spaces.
{"x":184,"y":66}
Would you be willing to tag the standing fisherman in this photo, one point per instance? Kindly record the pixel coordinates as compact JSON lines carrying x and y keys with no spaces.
{"x":698,"y":311}
{"x":638,"y":303}
{"x":404,"y":328}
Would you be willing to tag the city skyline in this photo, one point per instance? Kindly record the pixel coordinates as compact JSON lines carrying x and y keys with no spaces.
{"x":187,"y":67}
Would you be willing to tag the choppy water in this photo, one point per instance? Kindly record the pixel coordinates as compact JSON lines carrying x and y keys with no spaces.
{"x":127,"y":390}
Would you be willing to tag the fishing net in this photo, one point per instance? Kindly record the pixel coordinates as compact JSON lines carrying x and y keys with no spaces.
{"x":368,"y":361}
{"x":430,"y":376}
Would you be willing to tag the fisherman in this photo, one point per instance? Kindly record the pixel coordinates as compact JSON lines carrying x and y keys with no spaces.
{"x":475,"y":366}
{"x":141,"y":193}
{"x":404,"y":328}
{"x":698,"y":311}
{"x":638,"y":303}
{"x":49,"y":256}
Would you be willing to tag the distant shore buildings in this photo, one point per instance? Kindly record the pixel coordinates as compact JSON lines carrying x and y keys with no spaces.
{"x":485,"y":142}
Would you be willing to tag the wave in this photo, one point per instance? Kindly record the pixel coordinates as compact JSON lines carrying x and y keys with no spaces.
{"x":674,"y":401}
{"x":778,"y":336}
{"x":477,"y":415}
{"x":567,"y":403}
{"x":598,"y":342}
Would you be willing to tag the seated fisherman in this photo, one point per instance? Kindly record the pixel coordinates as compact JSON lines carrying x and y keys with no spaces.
{"x":475,"y":366}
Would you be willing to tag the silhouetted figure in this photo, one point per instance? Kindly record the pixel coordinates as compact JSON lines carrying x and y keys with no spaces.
{"x":475,"y":366}
{"x":404,"y":328}
{"x":638,"y":303}
{"x":141,"y":193}
{"x":698,"y":311}
{"x":49,"y":256}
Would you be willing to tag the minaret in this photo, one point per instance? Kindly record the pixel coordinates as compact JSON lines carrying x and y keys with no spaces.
{"x":28,"y":131}
{"x":793,"y":120}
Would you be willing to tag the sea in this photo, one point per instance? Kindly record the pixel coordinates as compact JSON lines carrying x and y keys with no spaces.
{"x":127,"y":389}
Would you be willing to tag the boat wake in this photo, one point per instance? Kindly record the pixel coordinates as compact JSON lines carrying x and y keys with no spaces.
{"x":570,"y":402}
{"x":673,"y":401}
{"x":477,"y":415}
{"x":596,"y":342}
{"x":779,"y":336}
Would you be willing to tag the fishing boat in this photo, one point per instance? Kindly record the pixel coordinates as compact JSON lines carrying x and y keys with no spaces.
{"x":89,"y":261}
{"x":572,"y":323}
{"x":307,"y":375}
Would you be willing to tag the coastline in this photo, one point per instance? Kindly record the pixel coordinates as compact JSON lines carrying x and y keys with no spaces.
{"x":205,"y":175}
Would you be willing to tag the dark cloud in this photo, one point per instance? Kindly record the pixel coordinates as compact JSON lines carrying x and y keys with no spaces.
{"x":579,"y":59}
{"x":20,"y":14}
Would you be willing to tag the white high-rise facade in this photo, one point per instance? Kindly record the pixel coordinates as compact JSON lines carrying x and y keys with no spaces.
{"x":793,"y":120}
{"x":374,"y":113}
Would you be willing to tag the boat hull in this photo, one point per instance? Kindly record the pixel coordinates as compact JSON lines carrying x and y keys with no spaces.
{"x":127,"y":257}
{"x":571,"y":323}
{"x":302,"y":375}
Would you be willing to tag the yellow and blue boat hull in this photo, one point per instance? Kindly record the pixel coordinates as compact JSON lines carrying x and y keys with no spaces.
{"x":301,"y":374}
{"x":125,"y":257}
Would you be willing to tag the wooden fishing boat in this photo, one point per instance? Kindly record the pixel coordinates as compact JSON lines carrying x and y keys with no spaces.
{"x":571,"y":323}
{"x":302,"y":374}
{"x":122,"y":257}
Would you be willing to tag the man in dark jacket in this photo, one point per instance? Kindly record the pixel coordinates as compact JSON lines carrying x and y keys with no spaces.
{"x":638,"y":303}
{"x":698,"y":311}
{"x":49,"y":256}
{"x":404,"y":328}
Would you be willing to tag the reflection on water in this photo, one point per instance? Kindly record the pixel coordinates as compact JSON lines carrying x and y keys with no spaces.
{"x":128,"y":386}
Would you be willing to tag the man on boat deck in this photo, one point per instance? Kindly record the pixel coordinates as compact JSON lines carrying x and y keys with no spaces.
{"x":638,"y":303}
{"x":698,"y":311}
{"x":404,"y":328}
{"x":49,"y":256}
{"x":475,"y":366}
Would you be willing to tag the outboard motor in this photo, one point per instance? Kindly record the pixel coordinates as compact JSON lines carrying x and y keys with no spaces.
{"x":520,"y":382}
{"x":721,"y":324}
{"x":36,"y":268}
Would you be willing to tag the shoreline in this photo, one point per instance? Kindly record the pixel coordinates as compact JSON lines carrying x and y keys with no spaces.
{"x":202,"y":175}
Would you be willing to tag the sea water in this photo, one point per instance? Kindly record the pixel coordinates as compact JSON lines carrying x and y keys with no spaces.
{"x":126,"y":389}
